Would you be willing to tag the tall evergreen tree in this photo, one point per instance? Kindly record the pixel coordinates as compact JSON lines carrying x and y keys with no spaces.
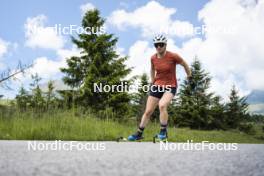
{"x":38,"y":101}
{"x":236,"y":109}
{"x":217,"y":111}
{"x":23,"y":99}
{"x":50,"y":97}
{"x":99,"y":63}
{"x":194,"y":104}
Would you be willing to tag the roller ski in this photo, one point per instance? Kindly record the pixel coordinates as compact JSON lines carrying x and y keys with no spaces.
{"x":161,"y":137}
{"x":131,"y":138}
{"x":136,"y":137}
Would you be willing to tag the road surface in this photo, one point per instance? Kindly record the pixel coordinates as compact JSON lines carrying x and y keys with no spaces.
{"x":140,"y":158}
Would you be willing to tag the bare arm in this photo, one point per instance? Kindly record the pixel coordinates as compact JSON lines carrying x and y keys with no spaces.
{"x":152,"y":73}
{"x":186,"y":68}
{"x":182,"y":62}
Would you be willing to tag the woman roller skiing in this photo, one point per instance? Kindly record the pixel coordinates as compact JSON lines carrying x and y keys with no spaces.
{"x":164,"y":87}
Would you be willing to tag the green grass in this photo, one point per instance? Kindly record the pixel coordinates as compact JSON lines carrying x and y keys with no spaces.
{"x":69,"y":126}
{"x":5,"y":102}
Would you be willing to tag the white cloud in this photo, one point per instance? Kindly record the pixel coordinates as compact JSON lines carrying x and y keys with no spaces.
{"x":223,"y":86}
{"x":1,"y":66}
{"x":58,"y":85}
{"x":86,"y":7}
{"x":240,"y":53}
{"x":3,"y":47}
{"x":48,"y":68}
{"x":120,"y":51}
{"x":256,"y":108}
{"x":141,"y":51}
{"x":234,"y":58}
{"x":66,"y":53}
{"x":37,"y":35}
{"x":139,"y":57}
{"x":190,"y":49}
{"x":254,"y":78}
{"x":230,"y":58}
{"x":3,"y":50}
{"x":151,"y":18}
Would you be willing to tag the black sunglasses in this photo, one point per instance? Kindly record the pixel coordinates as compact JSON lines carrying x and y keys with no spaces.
{"x":161,"y":45}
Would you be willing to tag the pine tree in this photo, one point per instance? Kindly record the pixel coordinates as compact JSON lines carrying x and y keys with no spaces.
{"x":217,"y":111}
{"x":50,"y":97}
{"x":37,"y":95}
{"x":22,"y":99}
{"x":194,"y":104}
{"x":99,"y":63}
{"x":236,"y":109}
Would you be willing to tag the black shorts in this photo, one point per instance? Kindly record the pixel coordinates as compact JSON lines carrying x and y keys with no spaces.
{"x":158,"y":91}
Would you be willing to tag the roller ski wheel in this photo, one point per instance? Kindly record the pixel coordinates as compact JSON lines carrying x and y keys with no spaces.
{"x":160,"y":138}
{"x":130,"y":139}
{"x":121,"y":139}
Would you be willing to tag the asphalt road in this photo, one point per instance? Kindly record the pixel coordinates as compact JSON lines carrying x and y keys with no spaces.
{"x":140,"y":158}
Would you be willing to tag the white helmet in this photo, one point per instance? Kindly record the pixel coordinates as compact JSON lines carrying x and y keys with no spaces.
{"x":160,"y":38}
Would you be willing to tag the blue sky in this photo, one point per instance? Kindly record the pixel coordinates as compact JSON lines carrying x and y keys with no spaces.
{"x":133,"y":41}
{"x":13,"y":15}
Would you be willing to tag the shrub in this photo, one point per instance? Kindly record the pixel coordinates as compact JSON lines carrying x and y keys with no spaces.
{"x":247,"y":128}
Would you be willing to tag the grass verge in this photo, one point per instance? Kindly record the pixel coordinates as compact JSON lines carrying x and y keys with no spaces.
{"x":69,"y":126}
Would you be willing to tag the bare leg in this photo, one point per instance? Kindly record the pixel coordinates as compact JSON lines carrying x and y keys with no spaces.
{"x":152,"y":103}
{"x":163,"y":105}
